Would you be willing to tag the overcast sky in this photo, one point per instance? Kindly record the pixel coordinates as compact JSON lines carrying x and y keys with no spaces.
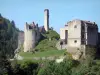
{"x":61,"y":11}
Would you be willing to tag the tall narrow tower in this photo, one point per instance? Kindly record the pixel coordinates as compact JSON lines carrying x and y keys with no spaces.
{"x":46,"y":19}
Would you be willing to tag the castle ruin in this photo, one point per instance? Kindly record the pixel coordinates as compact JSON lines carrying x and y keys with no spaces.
{"x":76,"y":35}
{"x":32,"y":32}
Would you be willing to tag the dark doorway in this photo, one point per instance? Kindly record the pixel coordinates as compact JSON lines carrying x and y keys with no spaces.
{"x":66,"y":36}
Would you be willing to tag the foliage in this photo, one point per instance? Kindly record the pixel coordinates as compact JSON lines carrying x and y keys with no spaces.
{"x":48,"y":42}
{"x":46,"y":45}
{"x":52,"y":34}
{"x":67,"y":67}
{"x":8,"y":43}
{"x":90,"y":52}
{"x":8,"y":38}
{"x":53,"y":68}
{"x":70,"y":67}
{"x":29,"y":68}
{"x":5,"y":66}
{"x":25,"y":68}
{"x":87,"y":68}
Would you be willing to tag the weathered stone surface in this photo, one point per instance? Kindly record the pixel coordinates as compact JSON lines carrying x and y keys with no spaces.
{"x":32,"y":35}
{"x":32,"y":32}
{"x":46,"y":19}
{"x":77,"y":33}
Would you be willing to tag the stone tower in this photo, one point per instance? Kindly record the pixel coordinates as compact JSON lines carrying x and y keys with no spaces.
{"x":29,"y":37}
{"x":46,"y":19}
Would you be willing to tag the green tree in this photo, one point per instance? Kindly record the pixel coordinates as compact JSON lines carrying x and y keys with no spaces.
{"x":87,"y":68}
{"x":8,"y":43}
{"x":26,"y":68}
{"x":63,"y":68}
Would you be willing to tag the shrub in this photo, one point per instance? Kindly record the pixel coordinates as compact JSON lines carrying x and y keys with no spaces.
{"x":29,"y":68}
{"x":26,"y":68}
{"x":53,"y":68}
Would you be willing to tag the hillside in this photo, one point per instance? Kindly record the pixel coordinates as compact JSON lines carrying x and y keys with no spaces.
{"x":8,"y":43}
{"x":49,"y":41}
{"x":8,"y":37}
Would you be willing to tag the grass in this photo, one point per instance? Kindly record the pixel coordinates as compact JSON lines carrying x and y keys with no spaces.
{"x":50,"y":53}
{"x":46,"y":48}
{"x":46,"y":45}
{"x":23,"y":61}
{"x":43,"y":54}
{"x":49,"y":42}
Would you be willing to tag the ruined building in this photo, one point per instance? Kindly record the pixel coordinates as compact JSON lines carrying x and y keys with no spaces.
{"x":32,"y":32}
{"x":78,"y":34}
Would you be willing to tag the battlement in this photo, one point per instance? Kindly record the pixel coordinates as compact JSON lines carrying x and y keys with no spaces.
{"x":32,"y":35}
{"x":31,"y":26}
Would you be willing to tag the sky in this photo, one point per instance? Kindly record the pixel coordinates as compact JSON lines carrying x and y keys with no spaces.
{"x":60,"y":11}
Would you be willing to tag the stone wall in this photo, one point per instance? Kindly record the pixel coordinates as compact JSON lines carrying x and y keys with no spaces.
{"x":92,"y":36}
{"x":75,"y":44}
{"x":20,"y":37}
{"x":74,"y":32}
{"x":30,"y":38}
